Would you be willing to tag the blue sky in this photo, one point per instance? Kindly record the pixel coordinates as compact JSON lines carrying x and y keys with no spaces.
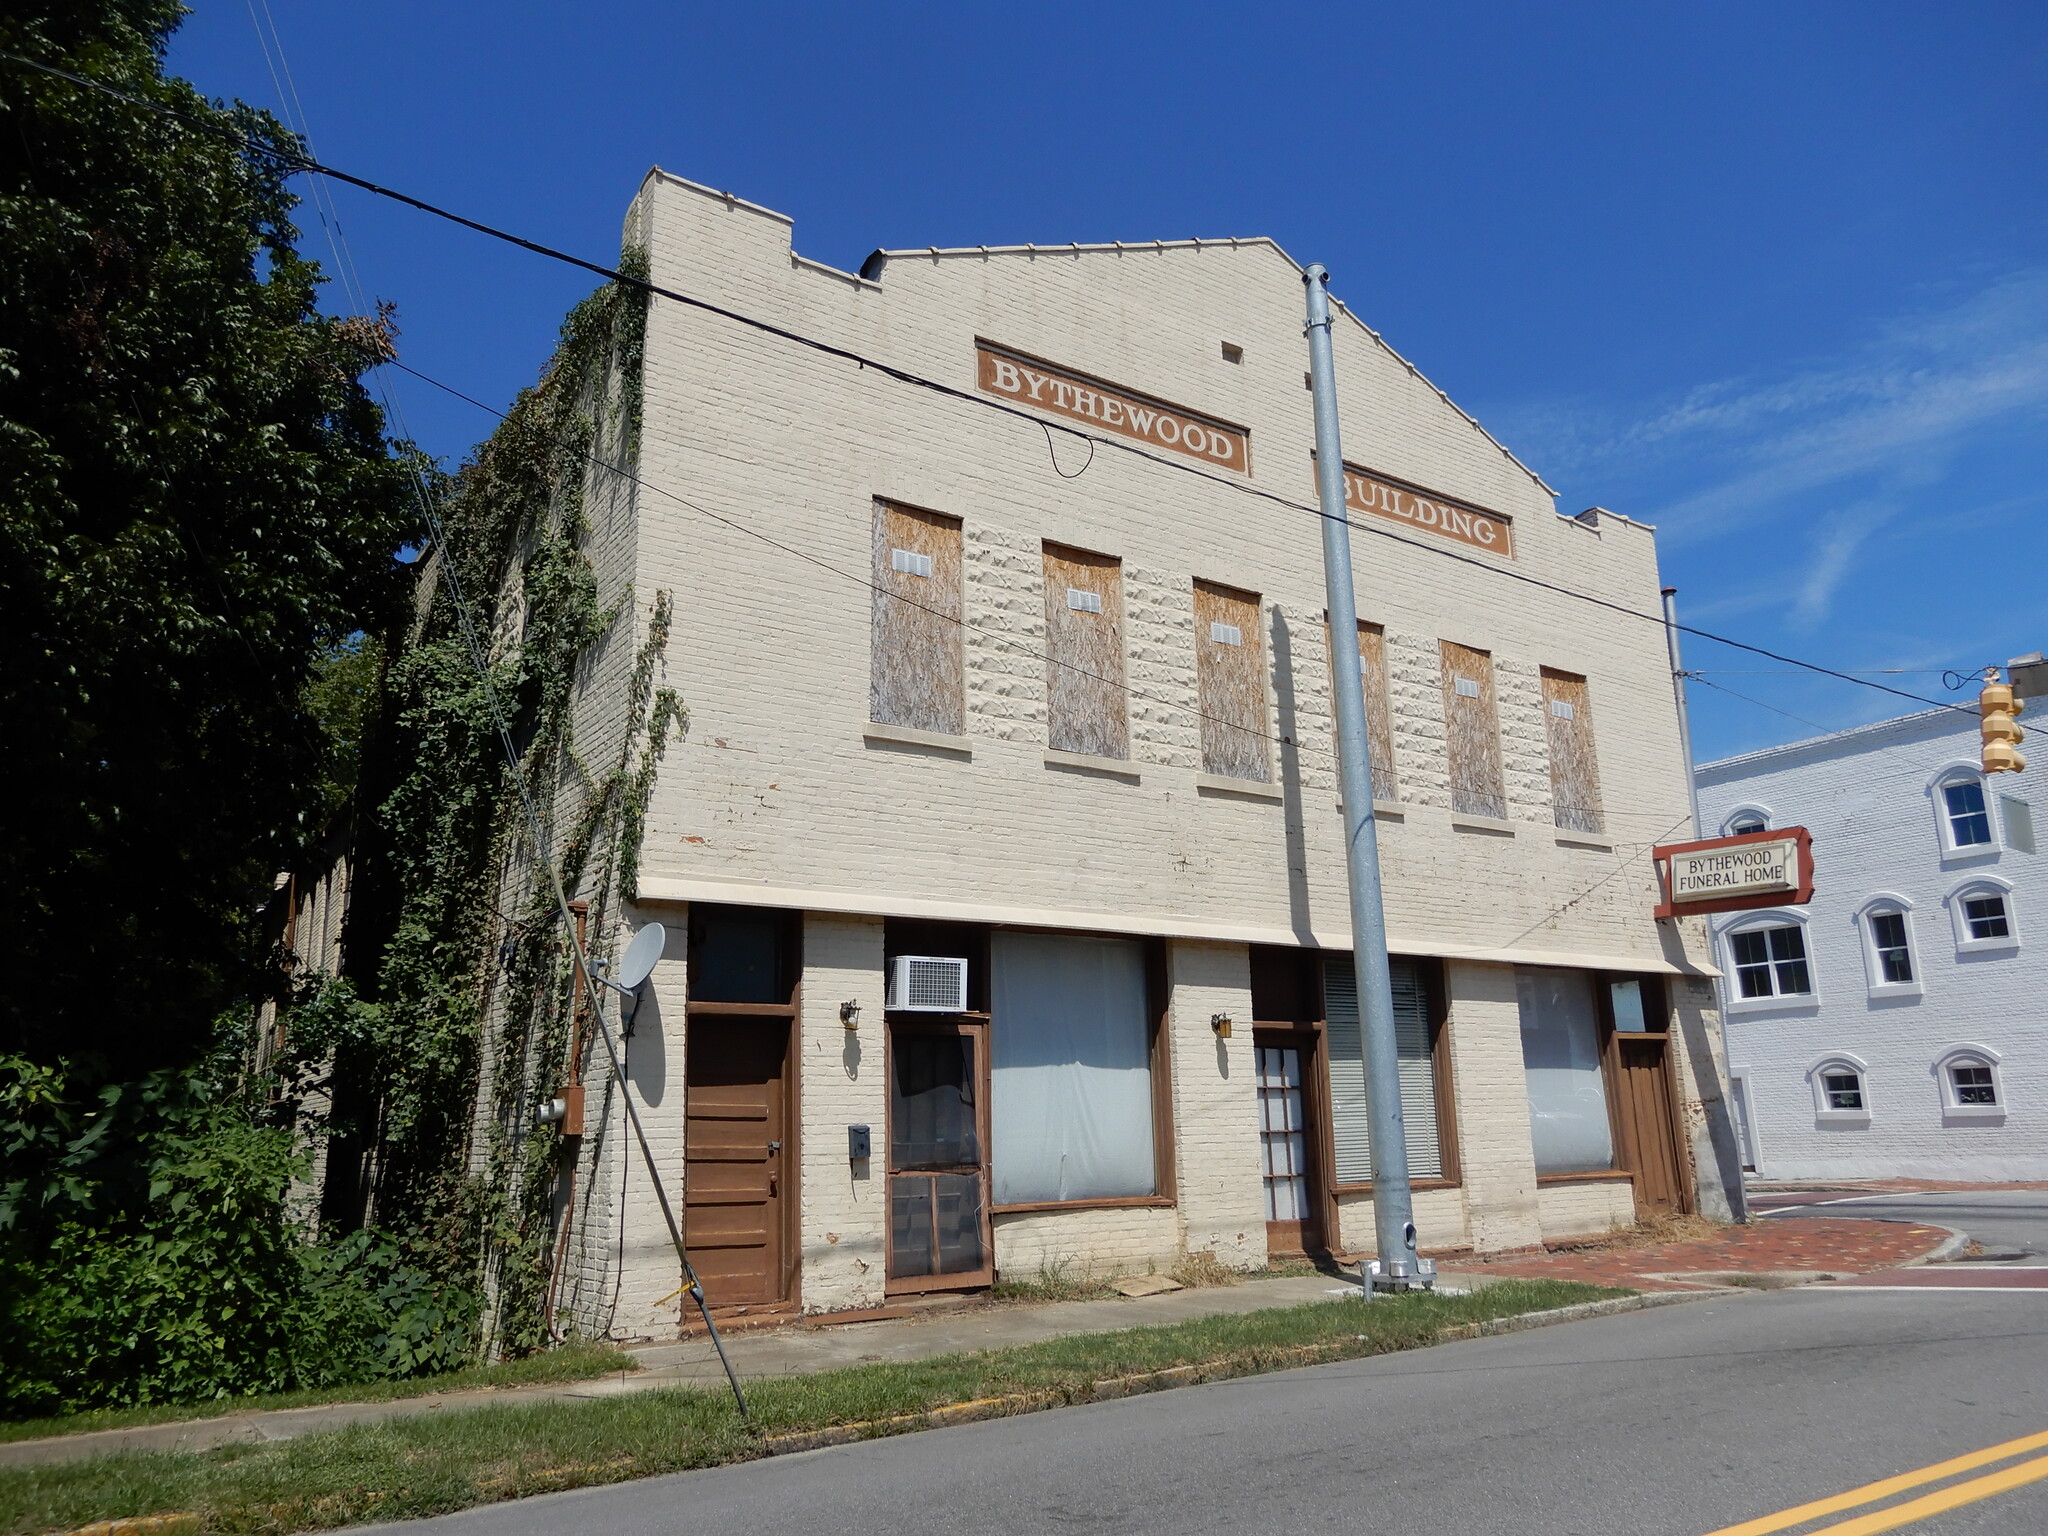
{"x":1771,"y":276}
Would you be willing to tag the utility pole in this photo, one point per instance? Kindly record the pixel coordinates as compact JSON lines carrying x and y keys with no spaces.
{"x":1393,"y":1211}
{"x":1721,"y":1126}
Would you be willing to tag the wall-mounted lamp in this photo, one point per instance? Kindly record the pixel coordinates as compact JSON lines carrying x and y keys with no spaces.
{"x":849,"y":1015}
{"x":1220,"y":1022}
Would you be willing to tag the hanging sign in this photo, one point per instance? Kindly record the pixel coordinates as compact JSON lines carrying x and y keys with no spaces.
{"x":1080,"y":398}
{"x":1365,"y":491}
{"x":1732,"y":874}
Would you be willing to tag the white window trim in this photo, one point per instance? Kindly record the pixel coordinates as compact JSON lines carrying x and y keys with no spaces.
{"x":1873,"y":967}
{"x":1953,"y":853}
{"x":1815,"y":1076}
{"x":1983,"y":885}
{"x":1955,"y":1113}
{"x":1753,"y":1152}
{"x":1778,"y":1002}
{"x":1740,"y":811}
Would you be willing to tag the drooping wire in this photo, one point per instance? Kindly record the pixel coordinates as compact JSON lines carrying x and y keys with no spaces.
{"x":305,"y":162}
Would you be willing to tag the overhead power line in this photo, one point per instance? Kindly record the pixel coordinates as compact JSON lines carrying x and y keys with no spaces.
{"x":306,"y":163}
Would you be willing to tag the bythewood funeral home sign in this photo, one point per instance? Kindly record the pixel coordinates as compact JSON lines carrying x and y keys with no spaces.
{"x":1729,"y":874}
{"x":1367,"y":492}
{"x":1080,"y":398}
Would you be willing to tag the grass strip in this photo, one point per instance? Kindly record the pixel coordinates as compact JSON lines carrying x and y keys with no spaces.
{"x":431,"y":1464}
{"x":572,"y":1362}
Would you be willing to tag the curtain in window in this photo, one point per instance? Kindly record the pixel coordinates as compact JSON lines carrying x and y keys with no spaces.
{"x":1561,"y":1062}
{"x":1070,"y":1100}
{"x":1350,"y":1136}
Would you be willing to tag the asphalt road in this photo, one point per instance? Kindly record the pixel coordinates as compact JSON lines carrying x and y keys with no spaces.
{"x":1997,"y":1218}
{"x":1677,"y":1421}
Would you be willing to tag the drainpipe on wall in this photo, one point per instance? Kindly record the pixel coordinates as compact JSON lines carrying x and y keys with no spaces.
{"x":1720,"y":1117}
{"x":1397,"y":1267}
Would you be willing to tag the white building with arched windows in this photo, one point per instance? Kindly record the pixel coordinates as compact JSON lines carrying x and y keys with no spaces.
{"x":1897,"y":1024}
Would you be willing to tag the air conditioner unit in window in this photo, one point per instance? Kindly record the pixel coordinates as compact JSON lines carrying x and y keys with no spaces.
{"x":928,"y":984}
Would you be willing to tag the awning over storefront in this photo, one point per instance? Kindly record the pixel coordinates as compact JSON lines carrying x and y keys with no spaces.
{"x":1651,"y":958}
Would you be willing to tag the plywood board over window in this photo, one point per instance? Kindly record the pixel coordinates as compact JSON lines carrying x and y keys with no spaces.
{"x":1574,"y":773}
{"x":1379,"y":722}
{"x":1472,"y":732}
{"x":1084,"y":633}
{"x":916,"y":674}
{"x":1230,"y":676}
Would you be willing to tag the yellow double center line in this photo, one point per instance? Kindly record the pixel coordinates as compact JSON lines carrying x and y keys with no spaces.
{"x":1951,"y":1497}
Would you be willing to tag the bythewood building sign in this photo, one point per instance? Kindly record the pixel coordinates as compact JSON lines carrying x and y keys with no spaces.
{"x":1366,"y":492}
{"x":1084,"y":399}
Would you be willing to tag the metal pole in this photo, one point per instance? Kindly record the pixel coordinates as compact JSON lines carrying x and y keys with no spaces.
{"x":1392,"y":1200}
{"x":1692,"y":788}
{"x":1721,"y":1126}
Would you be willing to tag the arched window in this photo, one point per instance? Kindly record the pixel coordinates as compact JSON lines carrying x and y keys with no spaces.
{"x":1984,"y":916}
{"x":1962,"y":812}
{"x":1766,"y":959}
{"x":1746,"y":818}
{"x":1885,"y":925}
{"x":1971,"y":1088}
{"x":1841,"y":1090}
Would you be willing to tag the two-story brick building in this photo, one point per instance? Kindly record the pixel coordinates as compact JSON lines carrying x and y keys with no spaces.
{"x":1003,"y":864}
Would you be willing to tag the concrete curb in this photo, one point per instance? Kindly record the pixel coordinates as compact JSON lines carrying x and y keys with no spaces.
{"x":1943,"y":1251}
{"x":1108,"y":1390}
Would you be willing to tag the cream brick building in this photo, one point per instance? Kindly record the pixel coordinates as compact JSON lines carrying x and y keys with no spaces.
{"x":935,"y":560}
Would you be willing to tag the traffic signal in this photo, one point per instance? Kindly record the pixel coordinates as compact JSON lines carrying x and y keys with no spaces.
{"x":2002,"y":734}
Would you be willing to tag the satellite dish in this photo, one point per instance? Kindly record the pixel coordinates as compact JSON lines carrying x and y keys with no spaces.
{"x":642,"y":955}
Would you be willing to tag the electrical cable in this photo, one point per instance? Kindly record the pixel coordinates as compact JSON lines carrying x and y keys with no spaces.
{"x":304,"y":162}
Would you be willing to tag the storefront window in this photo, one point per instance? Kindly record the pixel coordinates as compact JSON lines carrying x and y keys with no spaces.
{"x":1070,"y":1050}
{"x":1561,"y":1062}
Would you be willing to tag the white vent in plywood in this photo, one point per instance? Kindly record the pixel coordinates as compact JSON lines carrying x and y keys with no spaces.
{"x":1465,"y":687}
{"x":928,"y":984}
{"x":1084,"y":602}
{"x":910,"y":562}
{"x":1562,"y":708}
{"x":1226,"y":634}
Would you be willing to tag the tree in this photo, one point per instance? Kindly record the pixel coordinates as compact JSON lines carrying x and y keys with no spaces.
{"x":199,"y":514}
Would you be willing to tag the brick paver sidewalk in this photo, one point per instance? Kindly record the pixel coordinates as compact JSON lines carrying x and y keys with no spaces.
{"x":1821,"y":1244}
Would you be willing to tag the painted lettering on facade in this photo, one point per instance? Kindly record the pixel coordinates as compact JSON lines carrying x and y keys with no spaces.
{"x":1047,"y":389}
{"x":1740,"y":871}
{"x":1366,"y":492}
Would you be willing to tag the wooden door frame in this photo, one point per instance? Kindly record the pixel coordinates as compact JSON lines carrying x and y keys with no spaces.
{"x":1611,"y":1073}
{"x":1308,"y":1039}
{"x":974,"y":1026}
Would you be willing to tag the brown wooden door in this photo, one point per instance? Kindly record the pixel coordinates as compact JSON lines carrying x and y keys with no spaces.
{"x":939,"y":1231}
{"x":1648,"y":1129}
{"x":736,"y":1148}
{"x":1290,"y":1156}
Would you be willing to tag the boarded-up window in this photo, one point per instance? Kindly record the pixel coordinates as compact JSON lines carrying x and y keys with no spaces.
{"x":1230,"y":678}
{"x":915,"y":676}
{"x":1379,"y":724}
{"x":1414,"y":1044}
{"x":1574,"y":775}
{"x":1084,"y":634}
{"x":1472,"y":731}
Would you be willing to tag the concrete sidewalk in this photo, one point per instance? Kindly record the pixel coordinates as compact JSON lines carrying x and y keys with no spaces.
{"x":791,"y":1351}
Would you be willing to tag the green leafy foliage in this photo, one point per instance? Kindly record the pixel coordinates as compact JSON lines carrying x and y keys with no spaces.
{"x":148,"y":1254}
{"x":198,"y":510}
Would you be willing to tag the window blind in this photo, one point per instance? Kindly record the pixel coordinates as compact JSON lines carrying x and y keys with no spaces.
{"x":1350,"y":1135}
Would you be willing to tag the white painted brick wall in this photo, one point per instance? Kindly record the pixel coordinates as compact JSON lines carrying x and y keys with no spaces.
{"x":1866,"y":797}
{"x":1496,"y":1159}
{"x":845,"y":1205}
{"x":1215,"y":1096}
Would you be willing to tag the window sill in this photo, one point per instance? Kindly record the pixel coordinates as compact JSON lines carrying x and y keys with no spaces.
{"x":1589,"y":1176}
{"x":1581,"y":840}
{"x":1848,"y":1119}
{"x":1109,"y":1203}
{"x":1491,"y":824}
{"x":1383,"y":810}
{"x":1796,"y":1002}
{"x":1988,"y":947}
{"x":1420,"y":1186}
{"x":1100,"y":767}
{"x":875,"y":733}
{"x":1973,"y":1114}
{"x":1976,"y":853}
{"x":1249,"y":789}
{"x":1885,"y":989}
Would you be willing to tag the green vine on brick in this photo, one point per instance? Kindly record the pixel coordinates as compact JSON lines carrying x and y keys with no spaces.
{"x":453,"y":1018}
